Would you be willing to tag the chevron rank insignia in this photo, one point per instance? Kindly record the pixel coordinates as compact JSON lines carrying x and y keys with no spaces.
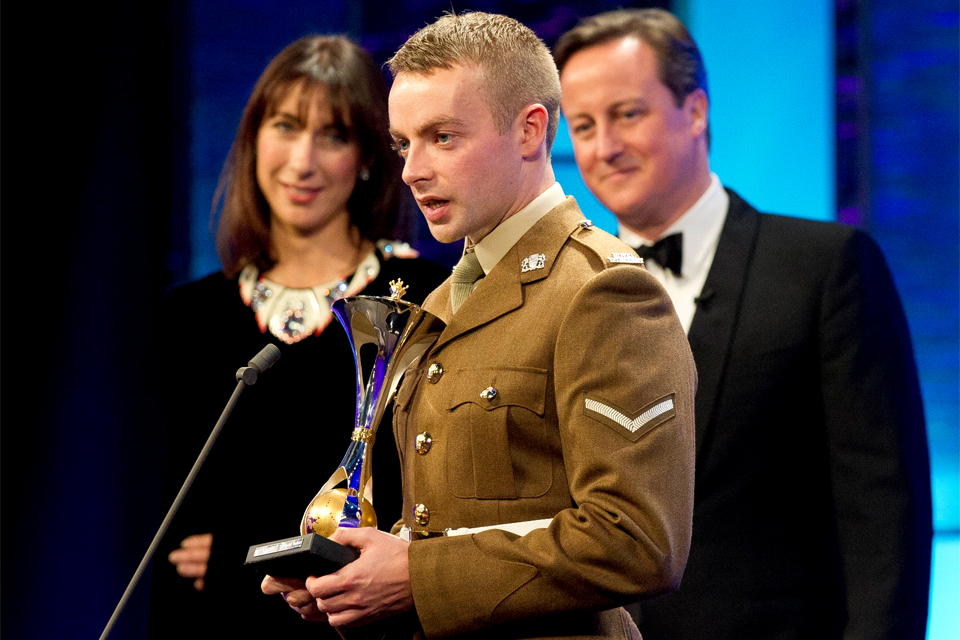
{"x":536,"y":261}
{"x":625,"y":258}
{"x":631,"y":425}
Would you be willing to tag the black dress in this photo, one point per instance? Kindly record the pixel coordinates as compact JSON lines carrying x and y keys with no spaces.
{"x":286,"y":436}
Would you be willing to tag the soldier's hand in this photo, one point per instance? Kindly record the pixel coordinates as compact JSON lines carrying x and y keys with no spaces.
{"x":296,"y":595}
{"x":376,"y":585}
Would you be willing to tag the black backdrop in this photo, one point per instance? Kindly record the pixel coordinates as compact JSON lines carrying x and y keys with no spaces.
{"x":94,"y":186}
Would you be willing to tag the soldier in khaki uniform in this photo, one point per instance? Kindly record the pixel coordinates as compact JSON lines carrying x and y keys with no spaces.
{"x":549,"y":431}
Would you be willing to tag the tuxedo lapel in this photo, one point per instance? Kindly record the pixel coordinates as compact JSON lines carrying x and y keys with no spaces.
{"x":718,"y":307}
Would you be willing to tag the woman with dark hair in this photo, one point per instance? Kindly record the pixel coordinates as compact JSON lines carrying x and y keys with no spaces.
{"x":308,"y":191}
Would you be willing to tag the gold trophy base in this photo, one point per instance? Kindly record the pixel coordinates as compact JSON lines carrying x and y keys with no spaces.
{"x":324,"y":512}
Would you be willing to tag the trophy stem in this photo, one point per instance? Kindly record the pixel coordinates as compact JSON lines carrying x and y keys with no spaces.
{"x":371,"y":395}
{"x":358,"y":469}
{"x":356,"y":461}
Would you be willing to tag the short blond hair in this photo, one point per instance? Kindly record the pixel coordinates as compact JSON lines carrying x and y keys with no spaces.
{"x":517,"y":67}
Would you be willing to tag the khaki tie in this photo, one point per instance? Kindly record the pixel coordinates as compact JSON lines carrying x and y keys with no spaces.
{"x":464,"y":278}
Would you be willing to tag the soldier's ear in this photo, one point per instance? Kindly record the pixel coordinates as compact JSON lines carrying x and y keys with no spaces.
{"x":532,"y":128}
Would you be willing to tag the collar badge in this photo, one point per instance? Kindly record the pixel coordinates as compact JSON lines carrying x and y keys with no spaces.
{"x":535,"y":261}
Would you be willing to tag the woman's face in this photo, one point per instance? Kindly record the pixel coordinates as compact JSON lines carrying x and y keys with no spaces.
{"x":306,"y":168}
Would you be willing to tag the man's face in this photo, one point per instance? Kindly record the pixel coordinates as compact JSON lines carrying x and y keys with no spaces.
{"x":464,"y":175}
{"x":639,"y":153}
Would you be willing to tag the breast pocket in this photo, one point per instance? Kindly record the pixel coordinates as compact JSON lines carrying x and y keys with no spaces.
{"x":499,"y":446}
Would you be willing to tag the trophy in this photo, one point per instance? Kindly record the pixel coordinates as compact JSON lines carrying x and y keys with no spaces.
{"x":401,"y":332}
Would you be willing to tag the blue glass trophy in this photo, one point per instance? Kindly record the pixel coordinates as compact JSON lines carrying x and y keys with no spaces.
{"x":401,"y":332}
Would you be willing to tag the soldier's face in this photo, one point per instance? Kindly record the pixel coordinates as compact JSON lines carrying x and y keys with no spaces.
{"x":463,"y":173}
{"x":635,"y":148}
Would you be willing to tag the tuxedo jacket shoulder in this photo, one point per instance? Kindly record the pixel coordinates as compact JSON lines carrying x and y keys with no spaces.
{"x":562,"y":389}
{"x":812,"y":497}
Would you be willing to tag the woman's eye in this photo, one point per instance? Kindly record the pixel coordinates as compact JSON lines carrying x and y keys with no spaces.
{"x":285,"y":127}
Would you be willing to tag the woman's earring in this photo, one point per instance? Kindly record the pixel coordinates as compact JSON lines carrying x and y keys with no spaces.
{"x":364,"y":174}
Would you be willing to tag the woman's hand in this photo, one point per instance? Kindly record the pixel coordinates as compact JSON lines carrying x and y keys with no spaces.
{"x":192,"y":557}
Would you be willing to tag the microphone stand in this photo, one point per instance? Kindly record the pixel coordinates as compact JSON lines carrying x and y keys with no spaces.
{"x":245,"y":376}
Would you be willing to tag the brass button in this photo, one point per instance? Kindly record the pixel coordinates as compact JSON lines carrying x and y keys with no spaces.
{"x":489,"y":394}
{"x":424,"y":442}
{"x":421,"y":515}
{"x":434,"y":372}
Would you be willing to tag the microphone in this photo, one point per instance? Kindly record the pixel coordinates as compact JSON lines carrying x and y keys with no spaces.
{"x":267,"y":357}
{"x":246,"y":376}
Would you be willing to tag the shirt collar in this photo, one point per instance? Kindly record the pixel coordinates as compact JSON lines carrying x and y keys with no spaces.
{"x":491,"y":249}
{"x":700,"y":227}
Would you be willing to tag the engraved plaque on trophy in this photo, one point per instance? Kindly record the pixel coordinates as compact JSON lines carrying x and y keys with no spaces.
{"x":401,"y":332}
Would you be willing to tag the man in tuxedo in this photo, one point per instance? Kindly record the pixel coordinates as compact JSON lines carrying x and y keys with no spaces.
{"x":547,"y":465}
{"x":812,"y":514}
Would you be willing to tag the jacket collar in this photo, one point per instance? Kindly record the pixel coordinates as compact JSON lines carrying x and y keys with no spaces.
{"x":501,"y":291}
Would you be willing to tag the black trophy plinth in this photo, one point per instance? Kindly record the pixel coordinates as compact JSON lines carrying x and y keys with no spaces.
{"x":299,"y":557}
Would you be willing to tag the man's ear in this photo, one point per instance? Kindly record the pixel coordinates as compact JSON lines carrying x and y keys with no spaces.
{"x":697,"y":106}
{"x":533,"y":120}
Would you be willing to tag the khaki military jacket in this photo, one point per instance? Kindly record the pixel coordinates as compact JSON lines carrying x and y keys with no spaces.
{"x":562,"y":388}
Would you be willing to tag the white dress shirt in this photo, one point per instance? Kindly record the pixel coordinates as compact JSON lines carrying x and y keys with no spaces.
{"x":700,"y":227}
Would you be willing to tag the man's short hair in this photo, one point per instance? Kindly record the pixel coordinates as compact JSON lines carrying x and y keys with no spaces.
{"x":517,"y":67}
{"x":679,"y":63}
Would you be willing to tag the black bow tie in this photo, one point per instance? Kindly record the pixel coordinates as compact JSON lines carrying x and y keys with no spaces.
{"x":667,"y":252}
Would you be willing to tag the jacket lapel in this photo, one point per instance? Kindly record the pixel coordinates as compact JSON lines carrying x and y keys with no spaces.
{"x":501,"y":291}
{"x":498,"y":293}
{"x":438,"y":302}
{"x":718,"y":308}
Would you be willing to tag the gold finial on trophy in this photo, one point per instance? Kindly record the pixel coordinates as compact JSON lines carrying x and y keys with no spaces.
{"x":397,"y":289}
